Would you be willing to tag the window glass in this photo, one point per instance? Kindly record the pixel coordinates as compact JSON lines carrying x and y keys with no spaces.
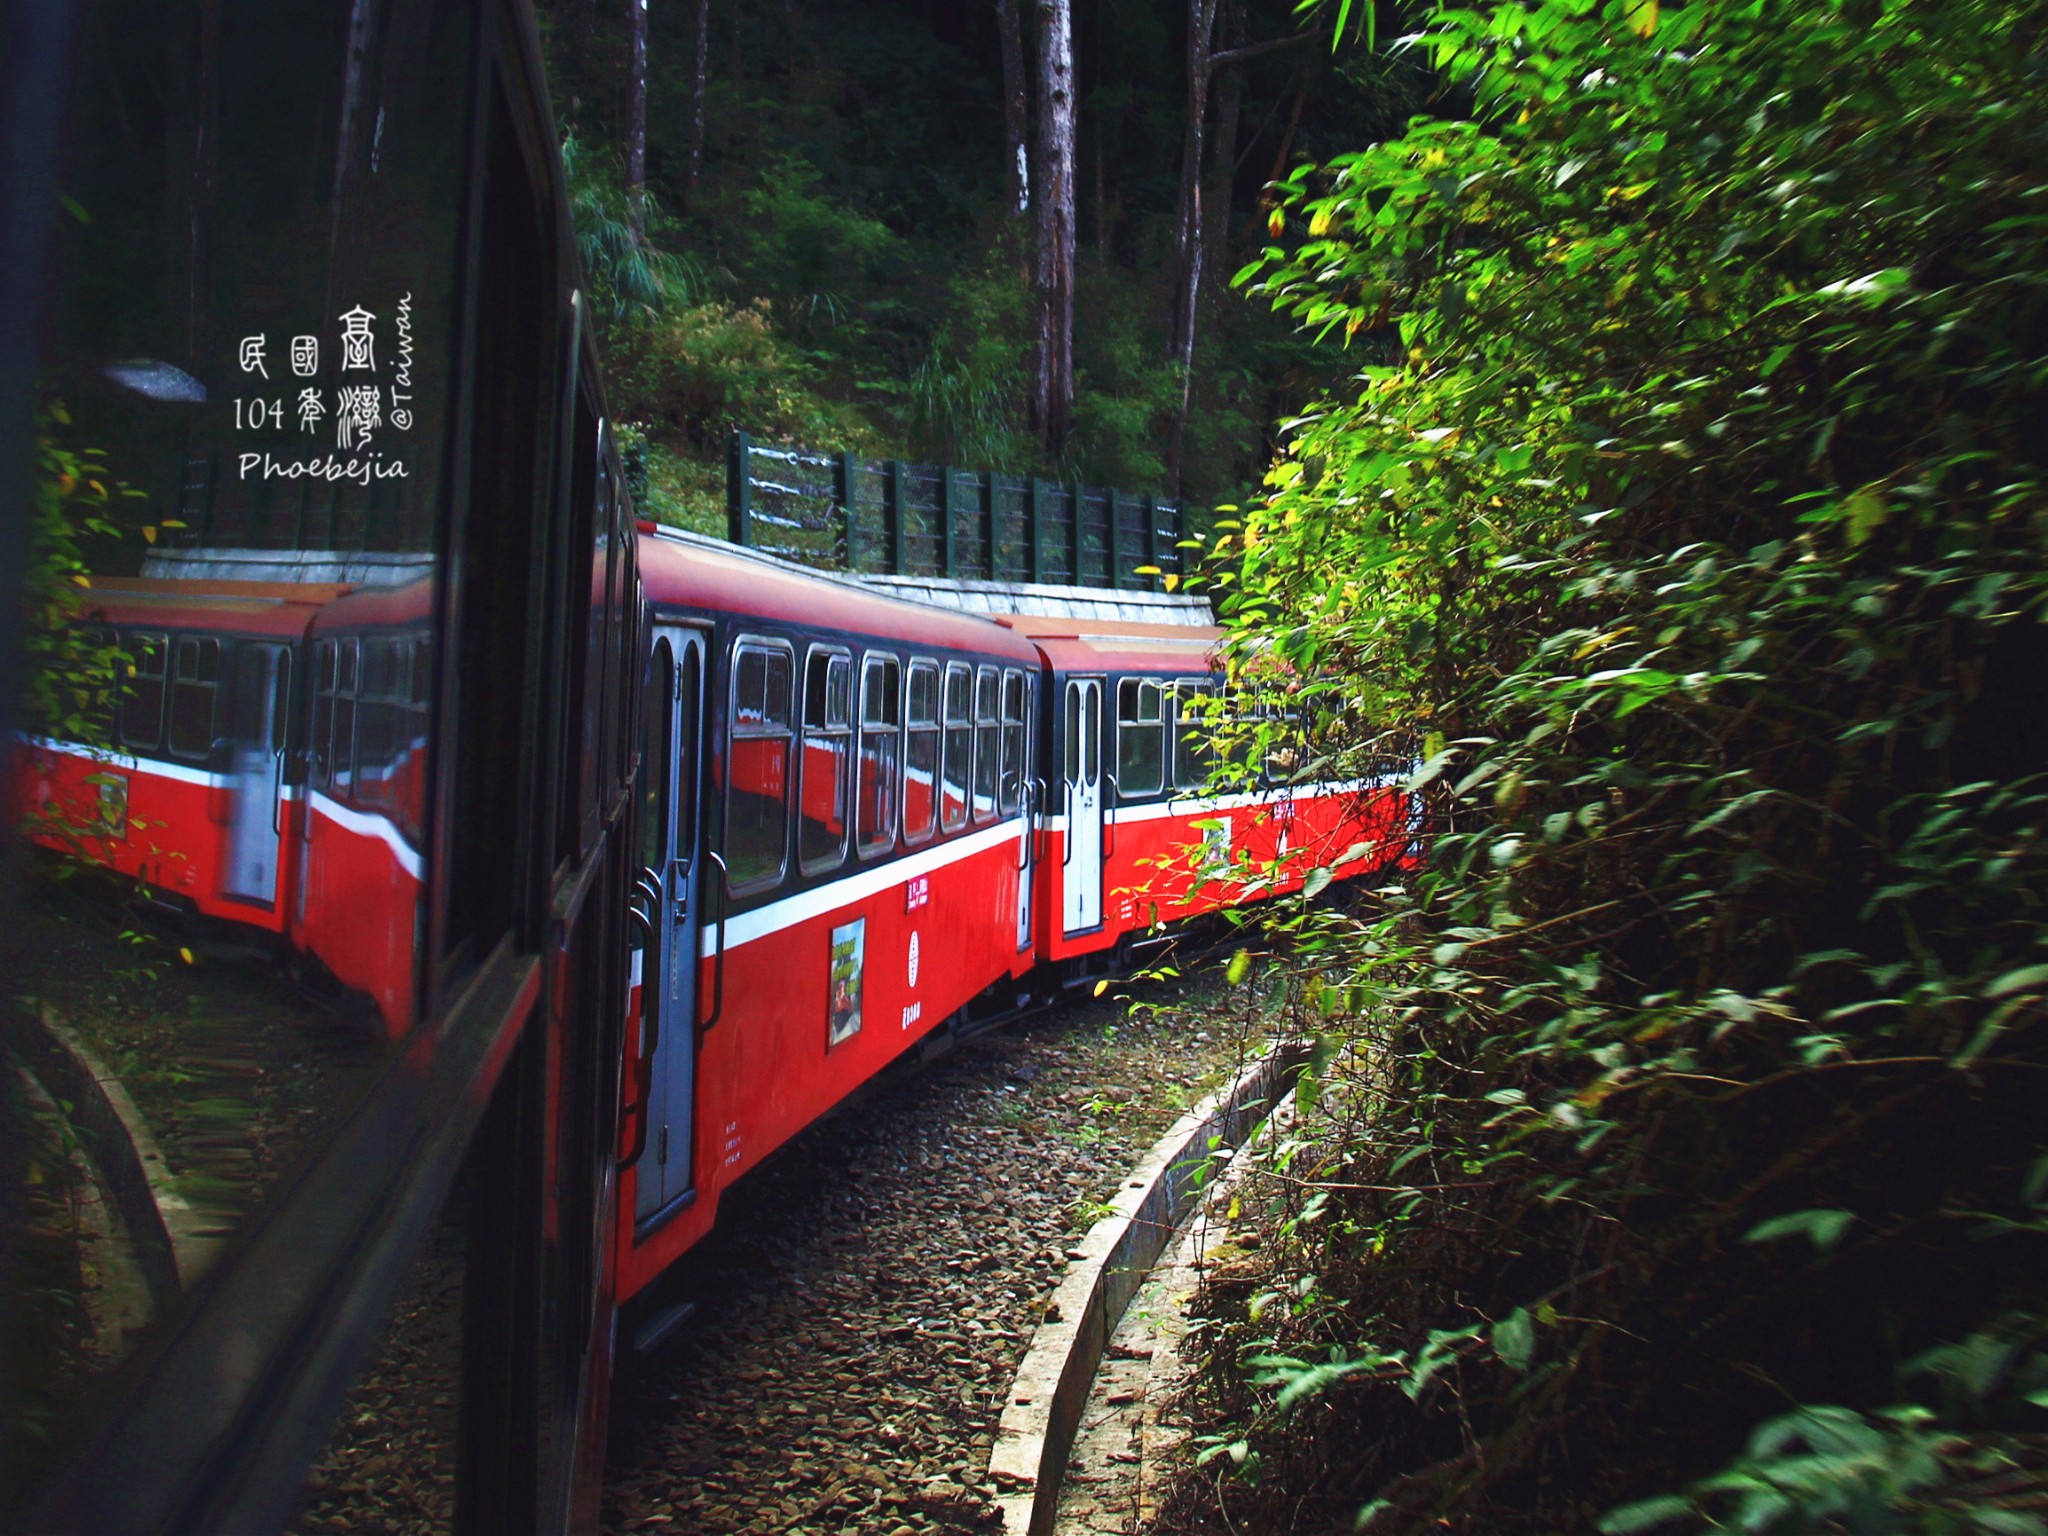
{"x":828,"y":745}
{"x":341,"y":763}
{"x":881,"y":747}
{"x":195,"y":690}
{"x":1072,"y":734}
{"x":1140,"y":737}
{"x":1193,"y":752}
{"x":988,"y":687}
{"x":1010,"y":791}
{"x":959,"y":730}
{"x":757,"y":801}
{"x":921,"y":753}
{"x":142,"y":707}
{"x":1091,"y":733}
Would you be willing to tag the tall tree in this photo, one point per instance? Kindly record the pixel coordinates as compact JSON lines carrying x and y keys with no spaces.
{"x":1017,"y":164}
{"x":636,"y":117}
{"x":1187,"y":230}
{"x":1053,"y":372}
{"x":698,"y":69}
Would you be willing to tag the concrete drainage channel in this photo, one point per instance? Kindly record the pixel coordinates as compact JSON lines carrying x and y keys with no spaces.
{"x":1043,"y":1411}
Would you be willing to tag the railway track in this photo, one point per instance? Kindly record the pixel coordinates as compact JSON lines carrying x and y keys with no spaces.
{"x":867,"y":1297}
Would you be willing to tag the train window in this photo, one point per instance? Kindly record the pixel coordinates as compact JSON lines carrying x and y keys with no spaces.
{"x":988,"y":688}
{"x":828,"y":744}
{"x":921,"y":753}
{"x":757,"y":798}
{"x":881,"y":746}
{"x":341,"y":751}
{"x":379,"y":706}
{"x":1140,"y":738}
{"x":1010,"y":791}
{"x":959,"y":747}
{"x":1071,"y":735}
{"x":1193,"y":753}
{"x":142,"y":703}
{"x":195,"y":695}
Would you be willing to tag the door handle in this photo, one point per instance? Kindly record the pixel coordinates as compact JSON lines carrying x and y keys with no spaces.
{"x":1067,"y":853}
{"x":1024,"y":842}
{"x":1109,"y":814}
{"x":718,"y":963}
{"x":650,"y":1013}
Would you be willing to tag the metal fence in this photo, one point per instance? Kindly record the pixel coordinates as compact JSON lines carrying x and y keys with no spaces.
{"x":843,"y":512}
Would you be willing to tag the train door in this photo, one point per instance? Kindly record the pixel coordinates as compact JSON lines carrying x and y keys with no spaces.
{"x":670,"y":888}
{"x":256,"y":733}
{"x":1017,"y":759}
{"x":1081,"y":879}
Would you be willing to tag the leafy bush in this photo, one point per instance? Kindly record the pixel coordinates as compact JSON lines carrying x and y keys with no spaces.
{"x":1692,"y":545}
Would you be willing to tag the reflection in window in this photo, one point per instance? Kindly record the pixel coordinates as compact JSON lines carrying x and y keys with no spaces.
{"x":757,"y":797}
{"x":1194,"y":752}
{"x":881,"y":747}
{"x":1140,"y":737}
{"x":142,"y":707}
{"x":921,"y":753}
{"x":828,"y":735}
{"x":1010,"y":791}
{"x":987,"y":725}
{"x":959,"y":747}
{"x":195,"y":695}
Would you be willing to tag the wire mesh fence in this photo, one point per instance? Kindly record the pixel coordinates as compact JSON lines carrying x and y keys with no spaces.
{"x":840,"y":511}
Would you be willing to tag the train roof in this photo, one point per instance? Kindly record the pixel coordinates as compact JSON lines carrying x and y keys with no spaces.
{"x":1107,"y":645}
{"x":687,"y":570}
{"x":233,"y":607}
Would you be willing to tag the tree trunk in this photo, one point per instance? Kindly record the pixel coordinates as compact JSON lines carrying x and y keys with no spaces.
{"x":1053,"y":394}
{"x":1223,"y":146}
{"x":636,"y":118}
{"x":698,"y":71}
{"x":1188,"y":242}
{"x":1017,"y":165}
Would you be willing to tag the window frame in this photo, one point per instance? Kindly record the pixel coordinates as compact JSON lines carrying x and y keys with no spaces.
{"x":885,"y":843}
{"x":134,"y":643}
{"x":935,"y":727}
{"x":770,"y":645}
{"x":828,"y":653}
{"x":988,"y":744}
{"x":946,"y":729}
{"x":1183,"y":687}
{"x":197,"y":643}
{"x":1008,"y":783}
{"x":1162,"y":689}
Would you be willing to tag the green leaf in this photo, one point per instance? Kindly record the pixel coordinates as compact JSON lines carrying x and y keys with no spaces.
{"x":1514,"y":1340}
{"x":1644,"y":1515}
{"x":1823,"y":1228}
{"x":1317,"y":882}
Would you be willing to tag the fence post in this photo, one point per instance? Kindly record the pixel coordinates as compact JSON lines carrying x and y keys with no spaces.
{"x":988,"y":525}
{"x":1115,"y":541}
{"x":1152,"y":540}
{"x":1077,"y":509}
{"x":1034,"y":559}
{"x":892,"y":514}
{"x":844,"y":490}
{"x":739,"y":490}
{"x":946,"y":521}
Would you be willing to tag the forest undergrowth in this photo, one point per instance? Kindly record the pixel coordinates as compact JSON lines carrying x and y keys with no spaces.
{"x":1680,"y":1162}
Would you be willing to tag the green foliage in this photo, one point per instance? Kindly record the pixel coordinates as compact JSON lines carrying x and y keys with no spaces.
{"x":72,"y":667}
{"x":1687,"y":534}
{"x":629,"y":277}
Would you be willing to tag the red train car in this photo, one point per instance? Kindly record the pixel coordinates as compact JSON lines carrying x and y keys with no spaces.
{"x":268,"y":765}
{"x":1135,"y":836}
{"x":854,"y":770}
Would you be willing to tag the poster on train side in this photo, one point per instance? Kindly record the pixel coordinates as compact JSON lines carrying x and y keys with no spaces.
{"x":849,"y":958}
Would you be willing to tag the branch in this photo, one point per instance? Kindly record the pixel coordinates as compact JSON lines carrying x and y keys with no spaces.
{"x":1253,"y":50}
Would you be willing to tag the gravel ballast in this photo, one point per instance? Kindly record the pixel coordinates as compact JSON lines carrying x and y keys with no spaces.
{"x":868,"y":1295}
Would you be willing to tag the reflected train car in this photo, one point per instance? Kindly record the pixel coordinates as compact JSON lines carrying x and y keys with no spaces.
{"x":268,"y":766}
